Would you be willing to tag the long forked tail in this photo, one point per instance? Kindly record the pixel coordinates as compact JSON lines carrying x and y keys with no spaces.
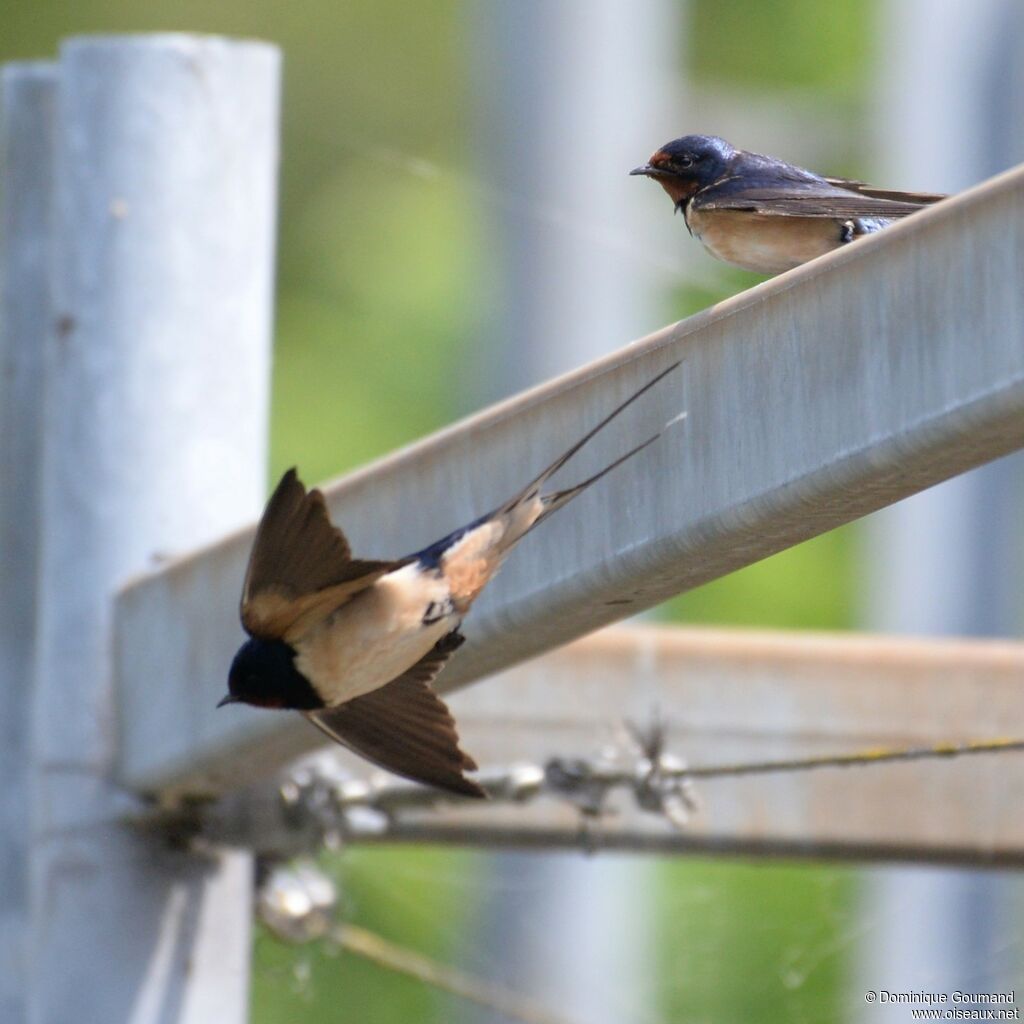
{"x":556,"y":499}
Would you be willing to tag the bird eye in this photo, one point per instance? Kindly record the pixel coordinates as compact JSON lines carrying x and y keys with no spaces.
{"x":685,"y":161}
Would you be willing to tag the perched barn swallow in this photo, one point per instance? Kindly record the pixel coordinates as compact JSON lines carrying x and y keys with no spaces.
{"x":355,"y":644}
{"x":765,"y":215}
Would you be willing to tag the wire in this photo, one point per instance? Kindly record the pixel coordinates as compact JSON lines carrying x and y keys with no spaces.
{"x":394,"y":957}
{"x":319,"y":803}
{"x":862,"y":758}
{"x":660,"y":782}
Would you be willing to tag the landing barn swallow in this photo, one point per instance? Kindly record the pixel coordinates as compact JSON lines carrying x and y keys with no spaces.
{"x":763,"y":214}
{"x":355,"y":644}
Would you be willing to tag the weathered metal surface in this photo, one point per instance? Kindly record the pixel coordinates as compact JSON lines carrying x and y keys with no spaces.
{"x":813,"y":399}
{"x":26,"y":170}
{"x":155,"y":418}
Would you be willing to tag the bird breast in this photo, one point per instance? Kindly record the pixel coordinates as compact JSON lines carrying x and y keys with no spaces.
{"x":376,"y":636}
{"x":763,"y":243}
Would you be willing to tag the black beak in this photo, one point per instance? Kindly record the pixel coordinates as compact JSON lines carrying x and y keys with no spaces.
{"x":228,"y":699}
{"x":646,"y":169}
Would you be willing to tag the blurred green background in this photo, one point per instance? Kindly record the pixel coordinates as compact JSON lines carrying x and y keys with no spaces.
{"x":384,"y":278}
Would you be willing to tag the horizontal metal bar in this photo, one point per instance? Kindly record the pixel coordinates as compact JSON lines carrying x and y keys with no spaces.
{"x":731,"y":697}
{"x":813,"y":399}
{"x":722,"y":698}
{"x":594,"y":839}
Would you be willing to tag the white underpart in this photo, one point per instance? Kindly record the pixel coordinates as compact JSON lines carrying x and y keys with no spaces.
{"x":376,"y":636}
{"x":380,"y":633}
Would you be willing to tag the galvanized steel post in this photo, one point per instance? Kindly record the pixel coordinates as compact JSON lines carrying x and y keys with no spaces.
{"x":26,"y":173}
{"x":155,"y":425}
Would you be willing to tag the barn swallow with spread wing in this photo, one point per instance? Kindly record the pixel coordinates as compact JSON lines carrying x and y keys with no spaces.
{"x":355,"y":644}
{"x":763,"y":214}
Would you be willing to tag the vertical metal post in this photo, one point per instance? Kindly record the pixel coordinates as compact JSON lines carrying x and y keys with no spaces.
{"x":155,"y":441}
{"x":585,"y":91}
{"x":26,"y":171}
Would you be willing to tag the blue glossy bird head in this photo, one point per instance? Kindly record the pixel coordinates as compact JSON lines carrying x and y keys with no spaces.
{"x":688,"y":164}
{"x":263,"y":673}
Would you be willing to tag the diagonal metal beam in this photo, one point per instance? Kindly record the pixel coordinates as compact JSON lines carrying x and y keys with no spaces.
{"x":813,"y":399}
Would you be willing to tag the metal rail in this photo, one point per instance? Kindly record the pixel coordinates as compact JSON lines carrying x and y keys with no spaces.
{"x":813,"y":399}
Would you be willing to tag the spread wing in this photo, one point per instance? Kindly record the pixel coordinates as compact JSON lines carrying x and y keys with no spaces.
{"x":405,"y":727}
{"x":301,"y":567}
{"x":808,"y":197}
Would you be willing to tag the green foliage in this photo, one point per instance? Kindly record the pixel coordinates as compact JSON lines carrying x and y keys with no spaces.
{"x":781,"y":43}
{"x":754,"y":942}
{"x":370,"y":334}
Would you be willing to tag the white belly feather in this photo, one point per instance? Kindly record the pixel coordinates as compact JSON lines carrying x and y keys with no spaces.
{"x":376,"y":636}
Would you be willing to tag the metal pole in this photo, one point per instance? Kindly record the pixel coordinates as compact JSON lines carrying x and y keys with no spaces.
{"x":155,"y":427}
{"x":572,"y":92}
{"x":26,"y":171}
